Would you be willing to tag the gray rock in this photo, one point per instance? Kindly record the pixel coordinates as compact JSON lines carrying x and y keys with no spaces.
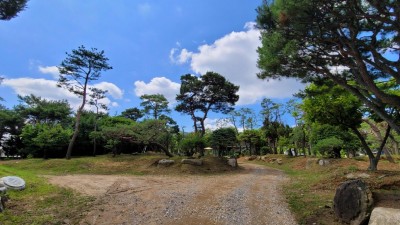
{"x":324,"y":162}
{"x":232,"y":162}
{"x":387,"y":216}
{"x":166,"y":162}
{"x":353,"y":202}
{"x":195,"y":162}
{"x":279,"y":161}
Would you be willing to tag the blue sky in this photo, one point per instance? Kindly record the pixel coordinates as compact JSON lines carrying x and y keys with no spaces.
{"x":150,"y":44}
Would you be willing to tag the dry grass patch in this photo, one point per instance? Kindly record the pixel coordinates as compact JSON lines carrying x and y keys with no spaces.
{"x":312,"y":187}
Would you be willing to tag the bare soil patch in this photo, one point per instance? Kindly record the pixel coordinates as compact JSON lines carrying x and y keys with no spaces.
{"x":251,"y":196}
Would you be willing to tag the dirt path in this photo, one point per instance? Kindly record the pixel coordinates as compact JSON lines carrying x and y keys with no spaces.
{"x":251,"y":197}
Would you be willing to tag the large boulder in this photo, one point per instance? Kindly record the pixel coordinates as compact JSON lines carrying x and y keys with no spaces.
{"x":165,"y":162}
{"x":195,"y":162}
{"x":387,"y":216}
{"x":353,"y":202}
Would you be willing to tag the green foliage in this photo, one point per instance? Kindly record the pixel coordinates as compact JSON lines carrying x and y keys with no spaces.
{"x":10,"y":8}
{"x":154,"y":105}
{"x":272,"y":126}
{"x":327,"y":146}
{"x":330,"y":104}
{"x":11,"y":122}
{"x":245,"y":118}
{"x":44,"y":139}
{"x":148,"y":132}
{"x":81,"y":67}
{"x":37,"y":110}
{"x":192,"y":143}
{"x":344,"y":140}
{"x":210,"y":92}
{"x":46,"y":129}
{"x":347,"y":42}
{"x":95,"y":96}
{"x":223,"y":139}
{"x":253,"y":140}
{"x":132,"y":113}
{"x":115,"y":120}
{"x":12,"y":146}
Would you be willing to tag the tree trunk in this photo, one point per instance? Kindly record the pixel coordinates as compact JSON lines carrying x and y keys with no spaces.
{"x":94,"y":139}
{"x":45,"y":154}
{"x":372,"y":160}
{"x":76,"y":132}
{"x":169,"y":154}
{"x":304,"y":141}
{"x":373,"y":164}
{"x":203,"y":128}
{"x":395,"y":145}
{"x":94,"y":146}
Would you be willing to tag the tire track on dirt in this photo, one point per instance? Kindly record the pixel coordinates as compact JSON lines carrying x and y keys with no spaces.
{"x":251,"y":197}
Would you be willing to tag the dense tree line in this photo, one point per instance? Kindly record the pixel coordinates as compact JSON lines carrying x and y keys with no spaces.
{"x":329,"y":121}
{"x":346,"y":51}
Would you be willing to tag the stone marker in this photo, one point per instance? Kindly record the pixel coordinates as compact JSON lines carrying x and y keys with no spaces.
{"x":13,"y":182}
{"x":387,"y":216}
{"x":353,"y":202}
{"x":195,"y":162}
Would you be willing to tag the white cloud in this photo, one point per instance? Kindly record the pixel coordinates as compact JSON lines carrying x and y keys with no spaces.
{"x":48,"y":89}
{"x":235,"y":57}
{"x":52,"y":70}
{"x":338,"y":69}
{"x":112,"y":89}
{"x":172,"y":56}
{"x":158,"y":85}
{"x":211,"y":124}
{"x":214,"y":124}
{"x":182,"y":58}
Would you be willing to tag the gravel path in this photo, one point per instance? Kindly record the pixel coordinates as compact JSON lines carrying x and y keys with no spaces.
{"x":251,"y":197}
